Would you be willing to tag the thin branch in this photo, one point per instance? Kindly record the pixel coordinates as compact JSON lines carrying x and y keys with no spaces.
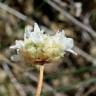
{"x":12,"y":11}
{"x":83,"y":84}
{"x":13,"y":80}
{"x":28,"y":88}
{"x":90,"y":91}
{"x":64,"y":5}
{"x":71,"y":18}
{"x":85,"y":55}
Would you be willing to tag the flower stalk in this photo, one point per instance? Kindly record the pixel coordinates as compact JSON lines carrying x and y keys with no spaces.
{"x":40,"y":82}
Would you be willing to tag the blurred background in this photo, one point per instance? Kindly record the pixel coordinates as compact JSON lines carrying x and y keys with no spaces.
{"x":71,"y":76}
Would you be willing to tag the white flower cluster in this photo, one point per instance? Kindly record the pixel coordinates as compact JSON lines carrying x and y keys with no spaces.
{"x":36,"y":43}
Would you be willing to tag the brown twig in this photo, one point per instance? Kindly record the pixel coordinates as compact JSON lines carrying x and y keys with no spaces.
{"x":40,"y":82}
{"x":71,"y":18}
{"x":14,"y":81}
{"x":92,"y":89}
{"x":85,"y":55}
{"x":12,"y":11}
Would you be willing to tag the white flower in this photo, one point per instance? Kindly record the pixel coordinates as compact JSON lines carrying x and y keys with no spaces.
{"x":39,"y":44}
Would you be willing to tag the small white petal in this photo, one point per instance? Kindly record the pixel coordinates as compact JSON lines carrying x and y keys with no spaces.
{"x":63,"y":33}
{"x":68,"y":42}
{"x":28,"y":30}
{"x":42,"y":31}
{"x":36,"y":38}
{"x":36,"y":28}
{"x":13,"y":47}
{"x":18,"y":44}
{"x":72,"y":51}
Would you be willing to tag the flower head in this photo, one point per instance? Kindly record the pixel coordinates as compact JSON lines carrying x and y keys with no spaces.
{"x":38,"y":47}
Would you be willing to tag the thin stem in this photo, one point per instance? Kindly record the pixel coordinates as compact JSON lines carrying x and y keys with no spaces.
{"x":40,"y":82}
